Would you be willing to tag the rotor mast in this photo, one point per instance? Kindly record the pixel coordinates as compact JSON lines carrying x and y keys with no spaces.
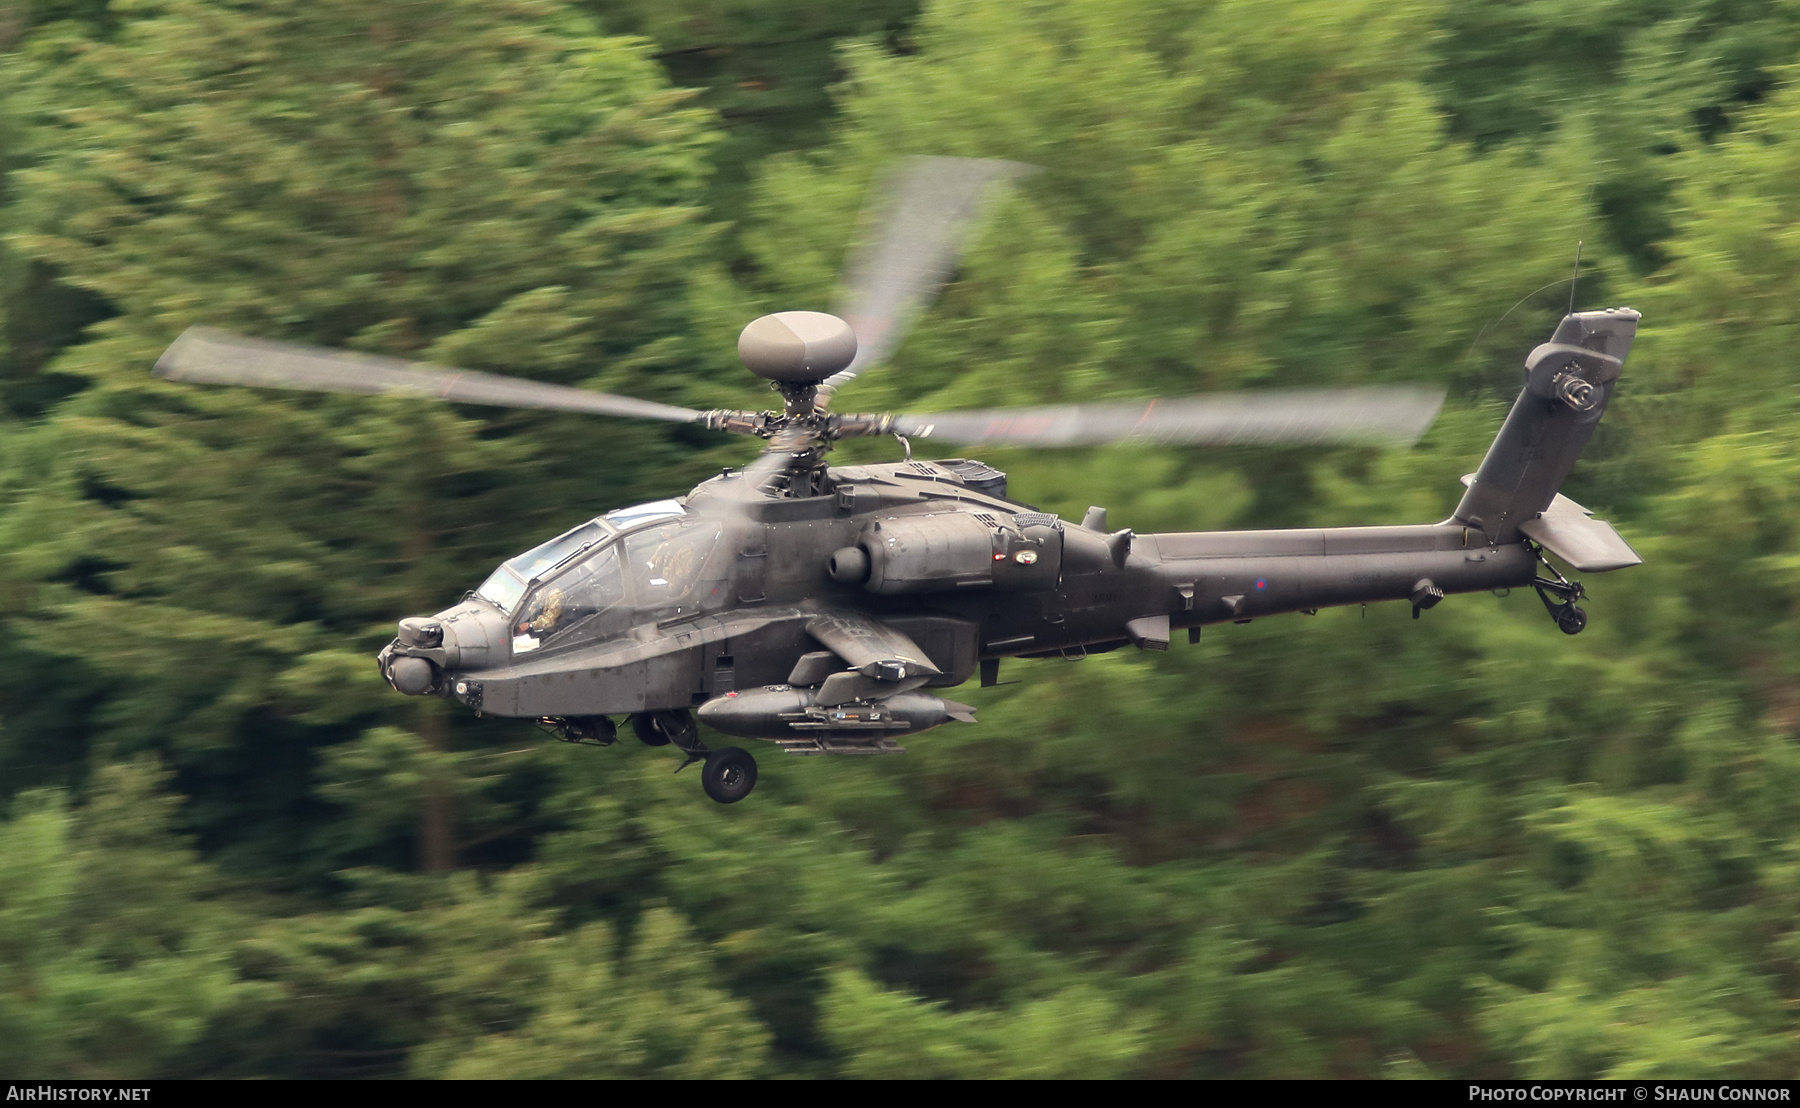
{"x":799,"y":352}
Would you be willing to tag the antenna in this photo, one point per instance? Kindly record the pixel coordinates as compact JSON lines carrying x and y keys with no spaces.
{"x":1575,"y":277}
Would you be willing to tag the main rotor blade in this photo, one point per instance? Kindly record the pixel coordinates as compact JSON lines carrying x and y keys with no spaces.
{"x":214,"y":357}
{"x":921,"y":223}
{"x":1366,"y":415}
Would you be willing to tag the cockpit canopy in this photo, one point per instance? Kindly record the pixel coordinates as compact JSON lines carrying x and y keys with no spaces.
{"x":626,"y":518}
{"x":588,"y":583}
{"x":507,"y":585}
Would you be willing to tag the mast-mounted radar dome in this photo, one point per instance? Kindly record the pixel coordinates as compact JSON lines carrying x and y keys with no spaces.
{"x":797,"y":348}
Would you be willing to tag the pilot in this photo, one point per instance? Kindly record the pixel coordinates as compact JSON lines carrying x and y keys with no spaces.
{"x":545,"y":614}
{"x":669,"y":568}
{"x":682,"y":563}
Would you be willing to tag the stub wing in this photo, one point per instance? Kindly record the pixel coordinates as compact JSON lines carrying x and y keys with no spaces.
{"x":883,"y":662}
{"x":870,"y":646}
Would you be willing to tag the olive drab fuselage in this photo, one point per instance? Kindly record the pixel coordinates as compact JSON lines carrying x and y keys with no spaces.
{"x":967,"y":576}
{"x":822,"y":619}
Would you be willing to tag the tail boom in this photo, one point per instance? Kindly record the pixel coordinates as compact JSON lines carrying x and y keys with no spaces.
{"x":1512,"y":509}
{"x":1219,"y":577}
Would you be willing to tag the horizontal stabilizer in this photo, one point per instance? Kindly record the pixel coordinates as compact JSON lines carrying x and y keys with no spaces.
{"x":1570,"y":532}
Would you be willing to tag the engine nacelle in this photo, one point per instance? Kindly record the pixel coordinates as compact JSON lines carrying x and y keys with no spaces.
{"x":944,"y":551}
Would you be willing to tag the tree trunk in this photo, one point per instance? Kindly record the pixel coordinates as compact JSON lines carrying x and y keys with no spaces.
{"x":437,"y":810}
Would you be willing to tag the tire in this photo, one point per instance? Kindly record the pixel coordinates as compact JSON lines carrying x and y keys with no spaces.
{"x":729,"y":774}
{"x":1571,"y":620}
{"x":643,"y":725}
{"x":663,"y":728}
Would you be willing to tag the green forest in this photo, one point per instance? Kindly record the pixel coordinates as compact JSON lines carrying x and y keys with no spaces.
{"x":1355,"y":845}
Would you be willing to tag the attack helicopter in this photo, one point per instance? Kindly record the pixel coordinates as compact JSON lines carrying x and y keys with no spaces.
{"x":822,"y":608}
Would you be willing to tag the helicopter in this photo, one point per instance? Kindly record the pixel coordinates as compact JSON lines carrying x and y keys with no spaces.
{"x":823,"y":608}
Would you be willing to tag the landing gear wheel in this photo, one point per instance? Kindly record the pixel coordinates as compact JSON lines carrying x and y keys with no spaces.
{"x":662,"y":728}
{"x":729,"y":774}
{"x":1570,"y":619}
{"x":644,"y":726}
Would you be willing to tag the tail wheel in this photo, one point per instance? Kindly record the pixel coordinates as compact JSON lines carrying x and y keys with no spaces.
{"x":729,"y":774}
{"x":663,"y":728}
{"x":1570,"y":620}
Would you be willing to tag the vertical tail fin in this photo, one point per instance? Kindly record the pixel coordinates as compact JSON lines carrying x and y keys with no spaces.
{"x":1568,"y":382}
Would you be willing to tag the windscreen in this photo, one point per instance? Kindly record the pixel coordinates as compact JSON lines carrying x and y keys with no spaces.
{"x":503,"y":589}
{"x":583,"y":601}
{"x":535,"y":561}
{"x":508,"y":583}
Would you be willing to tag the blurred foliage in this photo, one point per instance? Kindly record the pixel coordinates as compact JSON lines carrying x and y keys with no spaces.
{"x":766,"y":69}
{"x":1354,"y":845}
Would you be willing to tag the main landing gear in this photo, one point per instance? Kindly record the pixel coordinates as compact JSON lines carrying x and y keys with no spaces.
{"x":664,"y":728}
{"x":1559,"y":595}
{"x":727,"y":774}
